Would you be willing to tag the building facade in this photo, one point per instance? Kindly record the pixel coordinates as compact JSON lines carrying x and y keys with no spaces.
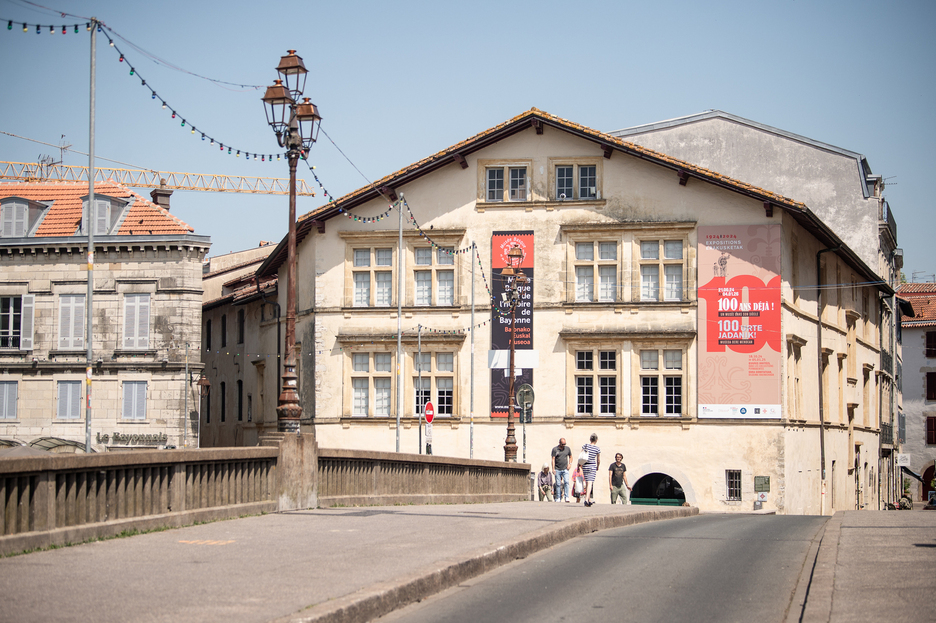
{"x":919,"y":386}
{"x":642,"y":320}
{"x":238,"y":350}
{"x":145,"y":306}
{"x":839,"y":186}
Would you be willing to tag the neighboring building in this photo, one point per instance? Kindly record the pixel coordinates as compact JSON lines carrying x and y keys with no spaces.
{"x":237,"y":305}
{"x":838,"y":186}
{"x":918,"y":327}
{"x":675,"y":314}
{"x":146,"y":306}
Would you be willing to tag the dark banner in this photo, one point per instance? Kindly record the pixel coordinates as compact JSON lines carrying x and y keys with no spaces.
{"x":501,"y":242}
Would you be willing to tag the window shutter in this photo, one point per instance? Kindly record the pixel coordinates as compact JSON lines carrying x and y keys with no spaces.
{"x":134,"y":400}
{"x":931,"y":430}
{"x":6,"y":229}
{"x":130,"y":322}
{"x":8,"y":400}
{"x":69,"y":400}
{"x":19,"y":220}
{"x":71,"y":321}
{"x":136,"y":320}
{"x":142,"y":332}
{"x":63,"y":401}
{"x":931,"y":343}
{"x":931,"y":385}
{"x":102,"y":217}
{"x":27,"y":310}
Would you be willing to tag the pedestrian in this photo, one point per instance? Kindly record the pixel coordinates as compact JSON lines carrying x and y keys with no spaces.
{"x":544,"y":482}
{"x":590,"y":467}
{"x":561,"y":457}
{"x":578,"y":484}
{"x":617,"y":479}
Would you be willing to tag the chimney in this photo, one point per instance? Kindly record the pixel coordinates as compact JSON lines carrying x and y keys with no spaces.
{"x":161,"y":195}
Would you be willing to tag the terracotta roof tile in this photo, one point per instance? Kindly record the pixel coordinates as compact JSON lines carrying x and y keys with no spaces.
{"x":64,"y":216}
{"x":923,"y":298}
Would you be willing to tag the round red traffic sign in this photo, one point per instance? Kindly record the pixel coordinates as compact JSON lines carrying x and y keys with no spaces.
{"x":430,"y":412}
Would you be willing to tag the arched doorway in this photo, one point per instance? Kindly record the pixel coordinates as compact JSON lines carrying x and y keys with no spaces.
{"x":658,"y":489}
{"x":928,"y":475}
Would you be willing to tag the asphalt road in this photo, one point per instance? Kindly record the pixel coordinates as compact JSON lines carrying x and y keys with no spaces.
{"x":717,"y":568}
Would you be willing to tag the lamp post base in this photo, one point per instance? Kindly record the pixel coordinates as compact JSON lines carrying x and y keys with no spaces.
{"x":510,"y":445}
{"x":288,"y":410}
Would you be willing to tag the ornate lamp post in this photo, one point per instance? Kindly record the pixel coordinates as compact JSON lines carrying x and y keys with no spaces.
{"x":515,"y":278}
{"x":296,"y":132}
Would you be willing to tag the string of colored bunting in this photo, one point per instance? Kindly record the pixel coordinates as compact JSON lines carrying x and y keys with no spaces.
{"x":184,"y":123}
{"x":422,"y":232}
{"x":74,"y":28}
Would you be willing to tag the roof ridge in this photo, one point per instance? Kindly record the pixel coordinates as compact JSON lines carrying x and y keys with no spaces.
{"x":536,"y":112}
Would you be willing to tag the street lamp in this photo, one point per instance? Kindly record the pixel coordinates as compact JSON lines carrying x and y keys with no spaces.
{"x":515,"y":278}
{"x":296,"y":132}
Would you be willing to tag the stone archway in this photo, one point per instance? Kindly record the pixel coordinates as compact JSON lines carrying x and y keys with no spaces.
{"x":657,"y":484}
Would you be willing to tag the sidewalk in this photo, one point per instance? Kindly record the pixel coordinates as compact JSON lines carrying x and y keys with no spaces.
{"x":345,"y":564}
{"x":871,"y":566}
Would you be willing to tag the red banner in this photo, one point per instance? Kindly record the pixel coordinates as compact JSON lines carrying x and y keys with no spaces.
{"x":739,"y":321}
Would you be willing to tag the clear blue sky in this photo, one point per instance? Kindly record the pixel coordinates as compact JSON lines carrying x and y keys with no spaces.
{"x":397,"y":81}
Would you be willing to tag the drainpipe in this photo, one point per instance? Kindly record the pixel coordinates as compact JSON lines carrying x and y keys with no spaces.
{"x":819,"y":350}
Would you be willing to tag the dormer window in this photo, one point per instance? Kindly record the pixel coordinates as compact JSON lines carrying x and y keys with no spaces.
{"x":19,"y":218}
{"x":109,"y":214}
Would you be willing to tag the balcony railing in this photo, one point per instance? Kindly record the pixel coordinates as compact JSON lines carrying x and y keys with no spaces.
{"x":887,"y":433}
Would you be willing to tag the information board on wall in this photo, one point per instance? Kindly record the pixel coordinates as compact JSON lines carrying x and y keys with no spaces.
{"x":501,"y":242}
{"x":739,"y":321}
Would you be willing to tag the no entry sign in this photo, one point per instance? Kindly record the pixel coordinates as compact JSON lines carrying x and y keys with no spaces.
{"x":430,"y":412}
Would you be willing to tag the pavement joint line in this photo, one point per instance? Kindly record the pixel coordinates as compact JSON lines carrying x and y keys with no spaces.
{"x":382,"y":598}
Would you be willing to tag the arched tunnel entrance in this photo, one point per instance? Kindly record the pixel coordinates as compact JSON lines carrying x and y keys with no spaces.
{"x":658,"y":490}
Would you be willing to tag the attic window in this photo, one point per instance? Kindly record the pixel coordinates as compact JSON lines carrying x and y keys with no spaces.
{"x":109,"y":214}
{"x":20,"y":217}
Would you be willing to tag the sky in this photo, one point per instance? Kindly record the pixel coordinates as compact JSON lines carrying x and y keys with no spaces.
{"x":398,"y":81}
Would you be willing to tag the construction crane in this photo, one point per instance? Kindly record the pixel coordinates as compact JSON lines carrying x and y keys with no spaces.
{"x":138,"y":178}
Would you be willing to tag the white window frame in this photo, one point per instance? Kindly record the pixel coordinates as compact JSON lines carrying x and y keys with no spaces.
{"x":17,"y":309}
{"x":68,"y":403}
{"x":8,"y":399}
{"x":580,"y":168}
{"x":505,"y":181}
{"x":664,"y":375}
{"x":438,"y":380}
{"x":370,"y":371}
{"x":134,"y":401}
{"x":597,"y":367}
{"x":602,"y":261}
{"x":433,"y":276}
{"x":662,"y":263}
{"x":372,"y":272}
{"x":136,"y":321}
{"x":71,"y":321}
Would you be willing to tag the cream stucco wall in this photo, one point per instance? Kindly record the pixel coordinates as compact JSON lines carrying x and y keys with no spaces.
{"x":638,"y":199}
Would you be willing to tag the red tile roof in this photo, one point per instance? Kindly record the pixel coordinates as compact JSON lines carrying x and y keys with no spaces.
{"x":64,"y":216}
{"x":923,"y":298}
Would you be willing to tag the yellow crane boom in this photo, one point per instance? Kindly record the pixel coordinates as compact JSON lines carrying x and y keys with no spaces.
{"x":138,"y":178}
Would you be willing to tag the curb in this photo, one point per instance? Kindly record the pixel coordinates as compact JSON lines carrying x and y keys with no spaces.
{"x":812,"y":598}
{"x":384,"y":597}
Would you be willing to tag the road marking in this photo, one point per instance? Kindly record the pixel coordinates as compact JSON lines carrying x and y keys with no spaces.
{"x":207,"y":542}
